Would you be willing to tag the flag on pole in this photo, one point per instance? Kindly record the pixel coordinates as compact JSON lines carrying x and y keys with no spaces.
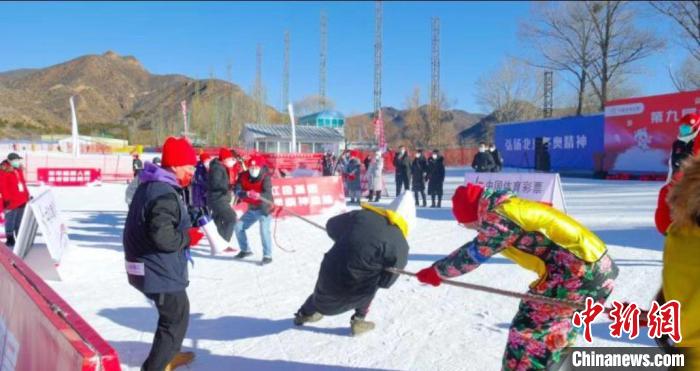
{"x":74,"y":129}
{"x":379,"y":132}
{"x":183,"y":105}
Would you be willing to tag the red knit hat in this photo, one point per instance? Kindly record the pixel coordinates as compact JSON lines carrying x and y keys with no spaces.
{"x":178,"y":152}
{"x":465,"y":203}
{"x":255,"y":159}
{"x":204,"y":156}
{"x":224,"y":153}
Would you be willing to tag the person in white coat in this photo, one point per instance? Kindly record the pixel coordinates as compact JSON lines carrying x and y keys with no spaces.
{"x":374,"y":177}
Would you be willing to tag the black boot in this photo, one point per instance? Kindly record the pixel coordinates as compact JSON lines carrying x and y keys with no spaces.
{"x":415,"y":197}
{"x":424,"y":202}
{"x":432,"y":200}
{"x":369,"y":198}
{"x":10,"y":242}
{"x":377,"y":196}
{"x":439,"y":205}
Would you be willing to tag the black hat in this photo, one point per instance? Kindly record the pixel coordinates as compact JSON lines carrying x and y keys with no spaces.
{"x":13,"y":156}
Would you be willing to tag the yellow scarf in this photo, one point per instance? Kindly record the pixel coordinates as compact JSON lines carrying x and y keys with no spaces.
{"x":393,"y":217}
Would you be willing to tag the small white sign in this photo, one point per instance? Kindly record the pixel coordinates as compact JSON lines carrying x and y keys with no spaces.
{"x":542,"y":187}
{"x":135,"y":268}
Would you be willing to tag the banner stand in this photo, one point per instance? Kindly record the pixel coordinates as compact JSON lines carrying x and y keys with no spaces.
{"x":541,"y":187}
{"x":41,"y":215}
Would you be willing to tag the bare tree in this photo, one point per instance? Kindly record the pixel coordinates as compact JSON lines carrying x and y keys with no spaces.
{"x":562,"y":32}
{"x":511,"y":92}
{"x":687,"y":76}
{"x":415,"y":128}
{"x":619,"y":43}
{"x":686,"y":15}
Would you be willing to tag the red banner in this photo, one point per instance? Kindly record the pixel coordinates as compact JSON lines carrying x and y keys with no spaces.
{"x":62,"y":177}
{"x":310,"y":196}
{"x":639,"y":132}
{"x":40,"y":331}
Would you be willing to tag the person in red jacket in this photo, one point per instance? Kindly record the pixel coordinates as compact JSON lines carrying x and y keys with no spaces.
{"x":254,"y":187}
{"x":15,"y":195}
{"x":662,"y":217}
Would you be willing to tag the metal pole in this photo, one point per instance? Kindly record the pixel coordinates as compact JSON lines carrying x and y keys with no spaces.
{"x":293,"y":145}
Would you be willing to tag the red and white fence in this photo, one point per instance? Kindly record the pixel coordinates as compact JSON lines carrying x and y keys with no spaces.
{"x":39,"y":330}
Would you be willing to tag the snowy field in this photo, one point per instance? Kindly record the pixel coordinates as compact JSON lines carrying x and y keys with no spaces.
{"x":241,"y":313}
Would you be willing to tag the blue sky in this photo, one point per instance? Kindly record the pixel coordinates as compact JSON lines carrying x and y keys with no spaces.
{"x":196,"y":39}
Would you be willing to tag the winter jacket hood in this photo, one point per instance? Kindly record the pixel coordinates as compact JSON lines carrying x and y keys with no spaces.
{"x":154,"y":173}
{"x":401,"y":212}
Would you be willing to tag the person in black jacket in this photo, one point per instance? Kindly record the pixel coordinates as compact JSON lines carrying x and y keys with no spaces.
{"x":136,"y":164}
{"x":254,"y":187}
{"x":157,"y":237}
{"x":402,"y":164}
{"x":483,"y":162}
{"x":497,"y":159}
{"x":328,"y":164}
{"x":436,"y":178}
{"x":419,"y":169}
{"x":219,"y":194}
{"x":366,"y":242}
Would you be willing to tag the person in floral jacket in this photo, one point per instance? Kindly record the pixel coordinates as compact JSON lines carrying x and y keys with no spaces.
{"x":572,"y":263}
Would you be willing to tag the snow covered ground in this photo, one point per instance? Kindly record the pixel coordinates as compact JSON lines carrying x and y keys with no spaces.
{"x":241,"y":313}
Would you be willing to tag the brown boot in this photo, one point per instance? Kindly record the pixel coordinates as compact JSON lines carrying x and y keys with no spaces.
{"x":180,"y":359}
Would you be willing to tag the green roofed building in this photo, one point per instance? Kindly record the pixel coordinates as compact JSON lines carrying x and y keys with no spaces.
{"x":323,"y":119}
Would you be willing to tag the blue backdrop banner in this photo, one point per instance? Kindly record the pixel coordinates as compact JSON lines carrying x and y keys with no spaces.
{"x":573,"y":141}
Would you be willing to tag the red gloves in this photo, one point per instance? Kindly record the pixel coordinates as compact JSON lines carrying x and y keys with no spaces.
{"x":430,"y":276}
{"x":253,"y":195}
{"x":351,"y":177}
{"x":195,"y":236}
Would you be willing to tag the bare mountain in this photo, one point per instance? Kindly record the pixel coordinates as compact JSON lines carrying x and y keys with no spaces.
{"x":116,"y":94}
{"x":395,"y":119}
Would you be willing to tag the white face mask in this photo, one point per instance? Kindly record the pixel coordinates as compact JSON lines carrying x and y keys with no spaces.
{"x":402,"y":151}
{"x":417,"y":155}
{"x":229,"y":162}
{"x":254,"y":172}
{"x":434,"y":156}
{"x":492,"y":149}
{"x":482,"y":149}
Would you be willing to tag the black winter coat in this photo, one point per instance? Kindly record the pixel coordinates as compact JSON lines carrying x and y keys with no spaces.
{"x":483,"y":162}
{"x":364,"y":244}
{"x":497,"y":161}
{"x":156,"y":235}
{"x":137,"y":166}
{"x":419,"y":169}
{"x":218,"y":186}
{"x":680,"y":151}
{"x":402,"y":164}
{"x":436,"y":175}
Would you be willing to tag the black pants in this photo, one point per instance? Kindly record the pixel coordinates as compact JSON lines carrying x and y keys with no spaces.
{"x":173,"y":318}
{"x":402,"y":181}
{"x":416,"y":194}
{"x":332,"y":306}
{"x":224,"y":218}
{"x":439,"y":199}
